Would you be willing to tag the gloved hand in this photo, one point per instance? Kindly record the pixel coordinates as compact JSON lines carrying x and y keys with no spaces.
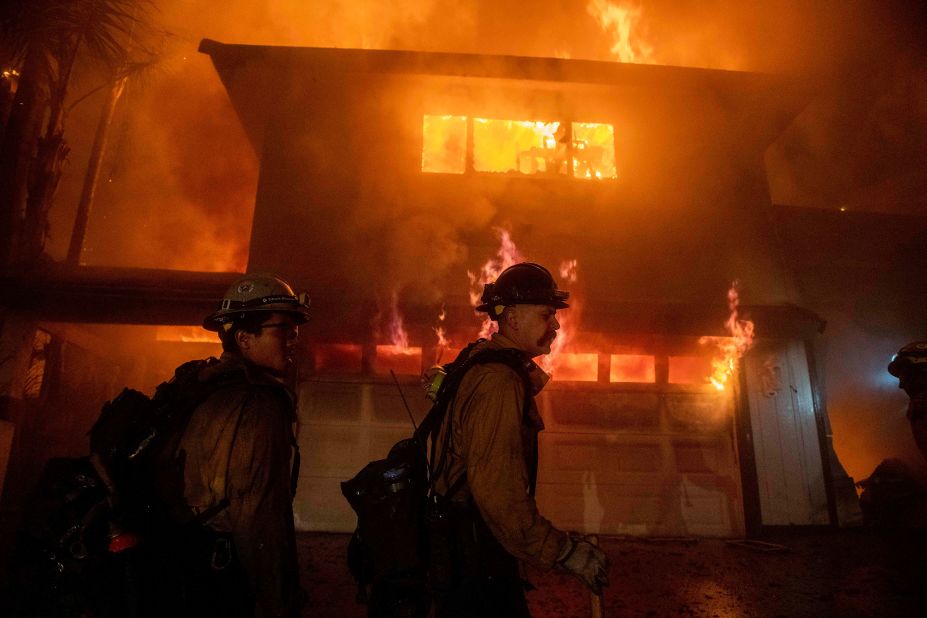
{"x":585,"y":561}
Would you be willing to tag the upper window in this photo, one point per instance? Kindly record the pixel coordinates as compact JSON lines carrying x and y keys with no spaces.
{"x":444,"y":144}
{"x":530,"y":148}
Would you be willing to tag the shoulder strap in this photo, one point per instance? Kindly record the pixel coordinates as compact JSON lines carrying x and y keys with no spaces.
{"x":431,"y":426}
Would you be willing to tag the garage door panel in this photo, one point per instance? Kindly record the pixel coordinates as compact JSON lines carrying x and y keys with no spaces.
{"x":610,"y":410}
{"x":319,"y":505}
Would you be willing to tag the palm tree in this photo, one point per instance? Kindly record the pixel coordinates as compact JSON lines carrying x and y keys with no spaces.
{"x":42,"y":40}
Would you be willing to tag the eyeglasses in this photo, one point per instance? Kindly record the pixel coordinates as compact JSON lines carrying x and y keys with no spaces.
{"x":290,"y":331}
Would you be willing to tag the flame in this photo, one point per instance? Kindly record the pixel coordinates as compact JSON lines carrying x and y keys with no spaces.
{"x":441,"y":333}
{"x":622,"y":22}
{"x":728,"y":350}
{"x":568,"y":270}
{"x":506,"y":256}
{"x":397,"y":332}
{"x":402,"y":360}
{"x":593,"y":150}
{"x":557,"y":363}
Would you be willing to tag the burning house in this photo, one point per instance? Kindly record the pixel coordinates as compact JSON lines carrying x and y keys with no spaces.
{"x":388,"y":177}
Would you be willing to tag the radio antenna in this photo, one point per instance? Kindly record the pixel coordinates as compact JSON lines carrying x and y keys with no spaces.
{"x":399,"y":388}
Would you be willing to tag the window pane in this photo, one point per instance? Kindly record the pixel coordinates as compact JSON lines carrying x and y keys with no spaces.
{"x":338,"y":357}
{"x":576,"y":367}
{"x":593,"y":150}
{"x":632,"y":368}
{"x":444,"y":144}
{"x":689,"y":369}
{"x":520,"y":146}
{"x":402,"y":360}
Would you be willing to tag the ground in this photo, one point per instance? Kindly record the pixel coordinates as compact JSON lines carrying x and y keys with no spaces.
{"x":855,"y":572}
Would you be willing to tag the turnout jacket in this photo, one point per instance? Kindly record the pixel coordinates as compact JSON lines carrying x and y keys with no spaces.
{"x":493,"y":441}
{"x":237,"y":446}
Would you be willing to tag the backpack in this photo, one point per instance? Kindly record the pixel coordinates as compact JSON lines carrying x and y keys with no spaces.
{"x":400,"y":526}
{"x":86,"y":512}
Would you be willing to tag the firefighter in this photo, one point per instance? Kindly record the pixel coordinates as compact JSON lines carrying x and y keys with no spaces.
{"x":909,"y":365}
{"x":232,"y":470}
{"x":489,"y":444}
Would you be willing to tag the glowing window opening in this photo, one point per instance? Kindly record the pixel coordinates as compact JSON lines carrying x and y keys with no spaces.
{"x":593,"y":150}
{"x":576,"y":367}
{"x":402,"y":360}
{"x":338,"y":357}
{"x":632,"y":368}
{"x":185,"y":334}
{"x":525,"y":147}
{"x":583,"y":150}
{"x":689,"y":369}
{"x":444,"y":144}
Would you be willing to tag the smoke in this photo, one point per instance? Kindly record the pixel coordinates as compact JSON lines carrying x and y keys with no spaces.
{"x":182,"y":176}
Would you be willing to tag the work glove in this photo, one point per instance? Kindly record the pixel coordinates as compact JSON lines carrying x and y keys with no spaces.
{"x":585,"y":561}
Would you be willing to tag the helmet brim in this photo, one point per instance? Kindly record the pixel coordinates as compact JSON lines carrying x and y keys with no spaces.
{"x":556,"y":304}
{"x":215,"y":321}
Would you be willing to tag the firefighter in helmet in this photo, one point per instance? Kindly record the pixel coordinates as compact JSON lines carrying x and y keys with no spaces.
{"x":909,"y":365}
{"x":487,"y":445}
{"x":232,"y":469}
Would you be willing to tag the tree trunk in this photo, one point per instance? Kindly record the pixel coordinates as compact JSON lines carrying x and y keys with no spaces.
{"x":49,"y":160}
{"x":93,"y":173}
{"x":20,"y":139}
{"x":47,"y":167}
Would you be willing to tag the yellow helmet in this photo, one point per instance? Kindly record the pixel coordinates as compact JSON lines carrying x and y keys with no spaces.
{"x":258,"y":292}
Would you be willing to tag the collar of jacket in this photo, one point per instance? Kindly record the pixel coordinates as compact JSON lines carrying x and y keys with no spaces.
{"x":231,"y":362}
{"x":539,"y":378}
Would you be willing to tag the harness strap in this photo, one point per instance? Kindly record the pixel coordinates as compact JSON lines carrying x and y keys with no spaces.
{"x":432,"y":424}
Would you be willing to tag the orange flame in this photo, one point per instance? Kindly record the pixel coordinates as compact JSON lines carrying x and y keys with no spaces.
{"x":729,"y":349}
{"x":568,"y":270}
{"x":396,"y":331}
{"x":441,"y":333}
{"x":623,"y":23}
{"x":507,"y":255}
{"x":558,"y":363}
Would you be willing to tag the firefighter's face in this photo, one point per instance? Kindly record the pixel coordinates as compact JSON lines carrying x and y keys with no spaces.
{"x":273,"y":347}
{"x":532,"y":327}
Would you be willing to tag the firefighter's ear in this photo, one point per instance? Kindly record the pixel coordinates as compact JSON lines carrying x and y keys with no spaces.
{"x":243,"y":339}
{"x":509,"y":317}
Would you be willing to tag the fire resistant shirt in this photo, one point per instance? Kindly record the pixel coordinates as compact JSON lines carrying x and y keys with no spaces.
{"x":491,"y":441}
{"x":238,"y":444}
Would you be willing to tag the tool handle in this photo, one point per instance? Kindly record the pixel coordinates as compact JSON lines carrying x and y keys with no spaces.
{"x":595,"y":600}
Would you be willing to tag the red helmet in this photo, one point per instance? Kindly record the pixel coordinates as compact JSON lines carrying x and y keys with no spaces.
{"x":522,"y":284}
